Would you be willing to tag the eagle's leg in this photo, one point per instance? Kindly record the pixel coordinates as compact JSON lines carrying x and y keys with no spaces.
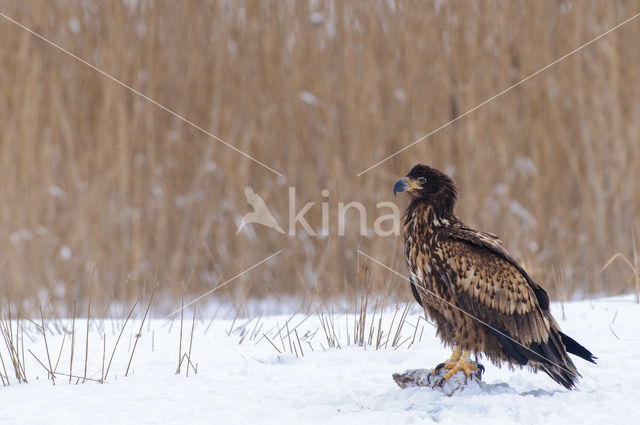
{"x":459,"y":361}
{"x":449,"y":364}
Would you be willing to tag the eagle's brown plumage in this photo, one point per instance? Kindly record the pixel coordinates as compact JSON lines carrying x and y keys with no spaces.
{"x":480,"y":298}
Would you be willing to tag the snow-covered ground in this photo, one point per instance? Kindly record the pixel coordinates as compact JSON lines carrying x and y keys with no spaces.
{"x":242,"y":379}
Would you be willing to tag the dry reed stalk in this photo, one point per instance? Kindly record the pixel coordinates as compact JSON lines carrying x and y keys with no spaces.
{"x":272,"y":344}
{"x":379,"y":334}
{"x":73,"y":340}
{"x":64,"y":337}
{"x":22,"y":363}
{"x":139,"y":334}
{"x":299,"y":344}
{"x":86,"y":347}
{"x":86,"y":344}
{"x":4,"y":377}
{"x":11,"y":342}
{"x":395,"y":313}
{"x":180,"y":337}
{"x":46,"y":346}
{"x":634,"y":266}
{"x":291,"y":347}
{"x":113,"y":352}
{"x":401,"y":343}
{"x":8,"y":343}
{"x":281,"y":339}
{"x":372,"y":326}
{"x":193,"y":326}
{"x":560,"y":288}
{"x":255,"y":330}
{"x":50,"y":372}
{"x":401,"y":322}
{"x":415,"y":331}
{"x":104,"y":354}
{"x":213,"y":317}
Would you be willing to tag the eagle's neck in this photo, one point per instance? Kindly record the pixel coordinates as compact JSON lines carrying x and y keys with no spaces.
{"x":424,"y":216}
{"x":434,"y":207}
{"x":420,"y":229}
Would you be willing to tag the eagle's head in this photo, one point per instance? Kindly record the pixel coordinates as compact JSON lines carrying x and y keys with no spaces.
{"x":429,"y":185}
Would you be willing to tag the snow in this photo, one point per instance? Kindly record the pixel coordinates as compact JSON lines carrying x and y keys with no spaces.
{"x":308,"y":98}
{"x":244,"y":380}
{"x":65,"y":252}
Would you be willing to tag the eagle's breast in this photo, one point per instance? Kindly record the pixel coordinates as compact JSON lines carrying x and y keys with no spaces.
{"x":422,"y":255}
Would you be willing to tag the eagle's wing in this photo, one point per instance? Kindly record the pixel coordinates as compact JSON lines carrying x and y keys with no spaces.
{"x":487,"y":283}
{"x":415,"y":292}
{"x":494,"y":245}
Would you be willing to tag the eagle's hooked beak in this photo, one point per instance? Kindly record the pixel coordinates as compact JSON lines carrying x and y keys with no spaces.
{"x":406,"y":184}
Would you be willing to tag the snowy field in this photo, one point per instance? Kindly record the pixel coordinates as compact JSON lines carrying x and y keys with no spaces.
{"x":245,"y":377}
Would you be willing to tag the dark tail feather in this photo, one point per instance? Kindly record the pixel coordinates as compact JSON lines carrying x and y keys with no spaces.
{"x":574,"y":348}
{"x":549,"y":358}
{"x":563,"y":376}
{"x":557,"y":363}
{"x":514,"y":350}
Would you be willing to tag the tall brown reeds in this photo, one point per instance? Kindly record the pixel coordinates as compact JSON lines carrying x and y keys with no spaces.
{"x":93,"y":175}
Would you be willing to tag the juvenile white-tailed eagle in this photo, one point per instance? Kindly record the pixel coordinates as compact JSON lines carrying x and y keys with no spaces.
{"x":481,"y":300}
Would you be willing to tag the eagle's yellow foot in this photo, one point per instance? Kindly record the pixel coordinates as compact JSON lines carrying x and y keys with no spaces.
{"x":449,"y":364}
{"x":458,"y":362}
{"x":462,"y":365}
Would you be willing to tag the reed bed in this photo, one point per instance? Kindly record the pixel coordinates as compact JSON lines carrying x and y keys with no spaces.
{"x":97,"y":181}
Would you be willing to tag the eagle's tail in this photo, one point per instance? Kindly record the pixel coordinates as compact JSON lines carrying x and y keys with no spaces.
{"x":574,"y":347}
{"x":565,"y":376}
{"x":550,"y":357}
{"x":557,"y":363}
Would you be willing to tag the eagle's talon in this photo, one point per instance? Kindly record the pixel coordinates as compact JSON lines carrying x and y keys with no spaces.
{"x":429,"y":378}
{"x":436,"y":369}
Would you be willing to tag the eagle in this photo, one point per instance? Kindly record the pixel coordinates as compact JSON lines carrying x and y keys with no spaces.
{"x":481,"y":299}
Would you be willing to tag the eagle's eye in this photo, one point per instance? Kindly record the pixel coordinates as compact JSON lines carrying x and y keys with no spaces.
{"x":422,"y":180}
